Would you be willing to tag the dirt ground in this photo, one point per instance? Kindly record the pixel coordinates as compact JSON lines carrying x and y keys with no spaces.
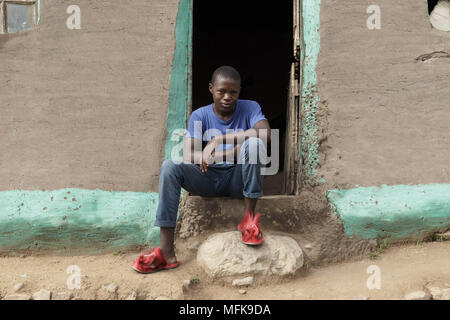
{"x":404,"y":268}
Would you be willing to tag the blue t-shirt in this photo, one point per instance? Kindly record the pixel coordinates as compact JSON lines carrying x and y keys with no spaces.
{"x":204,"y":124}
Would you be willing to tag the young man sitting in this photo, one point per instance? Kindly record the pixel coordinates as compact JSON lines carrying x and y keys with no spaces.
{"x":232,"y":129}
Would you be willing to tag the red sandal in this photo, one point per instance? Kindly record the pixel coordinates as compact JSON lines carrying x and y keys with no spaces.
{"x":251,"y":229}
{"x":152,"y":261}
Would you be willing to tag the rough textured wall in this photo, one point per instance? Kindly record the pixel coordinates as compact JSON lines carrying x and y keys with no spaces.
{"x":385,"y":117}
{"x":87,"y":108}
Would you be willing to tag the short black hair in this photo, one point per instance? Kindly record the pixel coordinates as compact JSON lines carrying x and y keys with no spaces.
{"x":226,"y":72}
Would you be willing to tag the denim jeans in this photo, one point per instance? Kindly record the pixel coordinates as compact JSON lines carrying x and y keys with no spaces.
{"x":239,"y":180}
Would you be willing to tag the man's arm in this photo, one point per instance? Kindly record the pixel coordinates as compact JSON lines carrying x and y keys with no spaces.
{"x":229,"y":154}
{"x":192,"y":150}
{"x":260,"y":130}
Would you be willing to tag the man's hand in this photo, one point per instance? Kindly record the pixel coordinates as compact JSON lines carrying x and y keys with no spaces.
{"x":208,"y":154}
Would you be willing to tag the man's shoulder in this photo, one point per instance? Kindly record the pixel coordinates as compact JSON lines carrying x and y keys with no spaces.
{"x":249,"y":102}
{"x":201,"y":112}
{"x":249,"y":105}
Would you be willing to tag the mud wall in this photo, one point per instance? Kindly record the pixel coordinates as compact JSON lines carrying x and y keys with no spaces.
{"x":87,"y":108}
{"x":384,"y":116}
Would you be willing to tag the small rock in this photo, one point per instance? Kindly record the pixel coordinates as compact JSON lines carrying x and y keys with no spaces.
{"x":162,"y":298}
{"x":445,"y":294}
{"x":435,"y":292}
{"x":243,"y":282}
{"x":186,"y":286}
{"x":18,"y":297}
{"x":194,"y":246}
{"x":42,"y":295}
{"x":132,"y":296}
{"x":418,"y":295}
{"x":308,"y":246}
{"x":242,"y":291}
{"x":62,"y":296}
{"x":111,"y":287}
{"x":438,"y":293}
{"x":107,"y":292}
{"x":23,"y":275}
{"x":18,"y":287}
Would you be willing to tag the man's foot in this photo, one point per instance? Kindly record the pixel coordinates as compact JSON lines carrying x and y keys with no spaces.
{"x":154,"y":261}
{"x":171,"y":260}
{"x":251,"y":229}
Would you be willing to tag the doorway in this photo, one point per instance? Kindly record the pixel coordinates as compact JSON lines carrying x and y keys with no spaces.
{"x":257,"y":39}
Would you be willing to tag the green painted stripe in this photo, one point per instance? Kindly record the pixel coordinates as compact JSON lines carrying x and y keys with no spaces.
{"x":310,"y":48}
{"x":180,"y":85}
{"x":39,"y":11}
{"x":396,"y":212}
{"x":89,"y":221}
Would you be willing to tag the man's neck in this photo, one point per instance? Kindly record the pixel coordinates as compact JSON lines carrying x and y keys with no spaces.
{"x":224,"y":116}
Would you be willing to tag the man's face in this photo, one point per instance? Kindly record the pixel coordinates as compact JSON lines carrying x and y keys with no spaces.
{"x":225,"y":93}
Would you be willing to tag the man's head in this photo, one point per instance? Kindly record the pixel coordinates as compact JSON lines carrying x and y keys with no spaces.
{"x":225,"y":88}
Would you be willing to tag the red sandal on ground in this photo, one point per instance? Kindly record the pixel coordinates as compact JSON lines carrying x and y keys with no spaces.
{"x":152,"y":261}
{"x":251,"y":229}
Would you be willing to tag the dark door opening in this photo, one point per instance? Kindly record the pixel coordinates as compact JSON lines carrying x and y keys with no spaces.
{"x":431,"y":5}
{"x":256,"y":38}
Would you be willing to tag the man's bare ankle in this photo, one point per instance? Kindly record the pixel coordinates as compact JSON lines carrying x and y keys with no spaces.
{"x":169,"y":256}
{"x":171,"y":260}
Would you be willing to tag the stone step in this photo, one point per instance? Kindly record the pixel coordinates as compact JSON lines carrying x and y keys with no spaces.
{"x":278,"y":212}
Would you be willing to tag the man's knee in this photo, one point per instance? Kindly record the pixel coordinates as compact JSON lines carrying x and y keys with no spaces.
{"x":169,"y":167}
{"x":252,"y":143}
{"x":253,"y":148}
